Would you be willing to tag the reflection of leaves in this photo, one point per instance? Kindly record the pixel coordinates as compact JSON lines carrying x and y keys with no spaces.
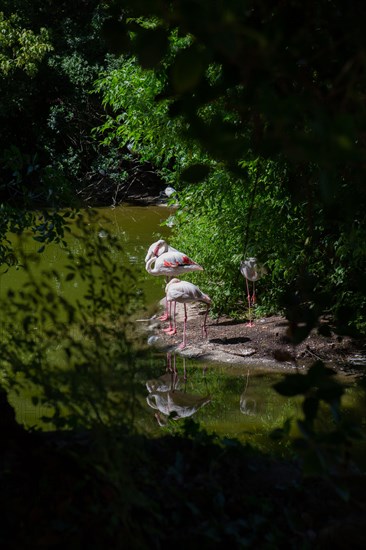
{"x":318,"y":378}
{"x":292,"y":384}
{"x":75,"y":355}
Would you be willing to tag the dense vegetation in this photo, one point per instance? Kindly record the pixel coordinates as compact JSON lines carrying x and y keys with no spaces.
{"x":265,"y":120}
{"x":254,"y":112}
{"x":257,"y":123}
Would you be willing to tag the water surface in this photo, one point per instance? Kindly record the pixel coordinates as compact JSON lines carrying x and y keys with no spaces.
{"x":230,"y":400}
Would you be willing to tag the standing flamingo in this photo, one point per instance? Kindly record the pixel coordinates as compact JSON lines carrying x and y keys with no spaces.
{"x":169,"y":262}
{"x":250,"y":269}
{"x":184,"y":292}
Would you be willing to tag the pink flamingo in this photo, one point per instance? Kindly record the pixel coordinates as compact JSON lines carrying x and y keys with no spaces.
{"x":158,"y":248}
{"x":169,"y":262}
{"x":155,"y":250}
{"x":250,"y":269}
{"x":185,"y":292}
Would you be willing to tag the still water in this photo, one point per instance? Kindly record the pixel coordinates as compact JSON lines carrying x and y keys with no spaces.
{"x":230,"y":400}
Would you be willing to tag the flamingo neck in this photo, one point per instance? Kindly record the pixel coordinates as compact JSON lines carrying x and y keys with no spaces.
{"x":148,"y":264}
{"x":157,"y":252}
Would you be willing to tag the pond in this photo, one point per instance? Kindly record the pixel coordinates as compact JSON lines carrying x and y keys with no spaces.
{"x":235,"y":401}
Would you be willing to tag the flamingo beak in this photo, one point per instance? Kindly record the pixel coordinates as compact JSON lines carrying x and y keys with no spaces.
{"x":156,"y":251}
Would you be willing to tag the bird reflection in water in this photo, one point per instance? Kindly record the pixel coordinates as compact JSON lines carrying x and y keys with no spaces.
{"x":168,"y":395}
{"x":248,"y":405}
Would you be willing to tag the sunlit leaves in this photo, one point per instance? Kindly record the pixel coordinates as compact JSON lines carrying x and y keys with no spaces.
{"x":21,"y":48}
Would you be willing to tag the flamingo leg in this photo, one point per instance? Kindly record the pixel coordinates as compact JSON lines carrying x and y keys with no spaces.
{"x":204,"y":325}
{"x":250,"y":324}
{"x":254,"y":297}
{"x":168,"y":362}
{"x":184,"y":343}
{"x":184,"y":370}
{"x":172,"y":329}
{"x":175,"y":379}
{"x":166,"y":314}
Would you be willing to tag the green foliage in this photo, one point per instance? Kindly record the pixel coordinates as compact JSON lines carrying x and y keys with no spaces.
{"x":52,"y":54}
{"x":242,"y":84}
{"x":21,"y":48}
{"x":140,"y":123}
{"x":225,"y":220}
{"x":51,"y":114}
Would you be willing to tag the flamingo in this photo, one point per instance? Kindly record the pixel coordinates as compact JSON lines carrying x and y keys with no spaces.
{"x":155,"y":250}
{"x":176,"y":404}
{"x":185,"y":292}
{"x":169,"y":262}
{"x":158,"y":248}
{"x":251,"y":271}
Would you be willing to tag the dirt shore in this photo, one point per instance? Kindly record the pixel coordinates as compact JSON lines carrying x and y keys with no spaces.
{"x":266,"y":342}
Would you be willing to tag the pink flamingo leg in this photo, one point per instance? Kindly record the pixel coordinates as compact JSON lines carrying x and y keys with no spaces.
{"x":172,"y":329}
{"x":204,"y":326}
{"x":167,"y":313}
{"x":184,"y":343}
{"x":254,"y":297}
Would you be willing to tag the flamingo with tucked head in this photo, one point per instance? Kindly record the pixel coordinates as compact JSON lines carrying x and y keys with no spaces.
{"x":185,"y":292}
{"x":158,"y":248}
{"x":165,"y":260}
{"x":251,"y":271}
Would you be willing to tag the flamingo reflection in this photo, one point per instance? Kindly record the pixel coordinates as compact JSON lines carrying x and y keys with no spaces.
{"x":168,"y":400}
{"x":248,"y":405}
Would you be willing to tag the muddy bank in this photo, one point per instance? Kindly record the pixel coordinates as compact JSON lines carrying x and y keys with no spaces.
{"x":266,"y":342}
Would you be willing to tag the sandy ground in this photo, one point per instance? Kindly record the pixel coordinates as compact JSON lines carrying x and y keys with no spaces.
{"x":266,"y":342}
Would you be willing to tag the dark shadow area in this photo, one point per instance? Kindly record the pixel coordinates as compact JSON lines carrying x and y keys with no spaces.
{"x":228,"y":323}
{"x":228,"y":341}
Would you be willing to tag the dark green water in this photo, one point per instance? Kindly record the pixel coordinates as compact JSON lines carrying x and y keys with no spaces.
{"x":233,"y":401}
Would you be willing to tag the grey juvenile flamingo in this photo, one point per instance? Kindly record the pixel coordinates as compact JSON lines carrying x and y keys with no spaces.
{"x":251,"y":271}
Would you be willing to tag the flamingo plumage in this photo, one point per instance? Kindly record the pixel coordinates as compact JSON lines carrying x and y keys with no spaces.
{"x":157,"y":249}
{"x":251,"y":271}
{"x":185,"y":292}
{"x":166,"y":260}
